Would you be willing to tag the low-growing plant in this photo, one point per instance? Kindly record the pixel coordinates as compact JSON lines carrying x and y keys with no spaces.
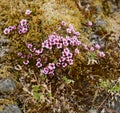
{"x":58,"y":51}
{"x":110,"y":86}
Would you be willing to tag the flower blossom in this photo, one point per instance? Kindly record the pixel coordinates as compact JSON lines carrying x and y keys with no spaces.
{"x":27,"y":12}
{"x":6,"y":31}
{"x":97,"y":46}
{"x":101,"y":54}
{"x":26,"y":62}
{"x":90,"y":23}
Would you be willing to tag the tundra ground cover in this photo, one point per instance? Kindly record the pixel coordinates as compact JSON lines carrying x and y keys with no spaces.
{"x":41,"y":44}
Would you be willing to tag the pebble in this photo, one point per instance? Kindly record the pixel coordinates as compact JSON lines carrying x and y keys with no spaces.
{"x":7,"y":85}
{"x":11,"y":109}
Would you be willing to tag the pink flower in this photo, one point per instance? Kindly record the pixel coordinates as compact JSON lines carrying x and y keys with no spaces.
{"x":39,"y":60}
{"x":76,"y":51}
{"x":26,"y":62}
{"x":59,"y":45}
{"x":97,"y":46}
{"x":19,"y":54}
{"x":51,"y":66}
{"x":61,"y":59}
{"x":37,"y":52}
{"x":10,"y":28}
{"x":90,"y":23}
{"x":29,"y":56}
{"x":84,"y":46}
{"x":23,"y":56}
{"x":101,"y":54}
{"x":64,"y":65}
{"x":6,"y":31}
{"x":24,"y":30}
{"x":70,"y":62}
{"x":38,"y":64}
{"x":71,"y":27}
{"x":29,"y":46}
{"x":92,"y":49}
{"x":63,"y":23}
{"x":23,"y":22}
{"x":13,"y":27}
{"x":77,"y":33}
{"x":32,"y":49}
{"x":45,"y":71}
{"x":65,"y":42}
{"x":68,"y":30}
{"x":77,"y":43}
{"x":44,"y":44}
{"x":20,"y":31}
{"x":67,"y":38}
{"x":70,"y":55}
{"x":27,"y":12}
{"x":66,"y":50}
{"x":58,"y":64}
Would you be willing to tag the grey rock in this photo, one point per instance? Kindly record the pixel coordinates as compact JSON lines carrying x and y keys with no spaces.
{"x":93,"y":111}
{"x":7,"y":85}
{"x":11,"y":109}
{"x":101,"y":23}
{"x":3,"y":45}
{"x":98,"y":9}
{"x":96,"y":39}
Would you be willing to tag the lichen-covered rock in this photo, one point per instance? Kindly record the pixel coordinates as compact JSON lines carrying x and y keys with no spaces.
{"x":7,"y":85}
{"x":11,"y":109}
{"x":3,"y":45}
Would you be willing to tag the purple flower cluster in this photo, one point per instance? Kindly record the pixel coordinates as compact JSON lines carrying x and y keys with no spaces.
{"x":39,"y":64}
{"x":9,"y":29}
{"x":55,"y":40}
{"x":65,"y":59}
{"x":22,"y":28}
{"x":67,"y":45}
{"x":49,"y":69}
{"x":96,"y":48}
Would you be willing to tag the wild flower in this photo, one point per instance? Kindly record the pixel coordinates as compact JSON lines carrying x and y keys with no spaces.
{"x":57,"y":51}
{"x":68,"y":30}
{"x":97,"y":46}
{"x":51,"y":66}
{"x":101,"y":54}
{"x":29,"y":46}
{"x":90,"y":23}
{"x":29,"y":56}
{"x":92,"y":49}
{"x":26,"y":62}
{"x":39,"y":64}
{"x":63,"y":23}
{"x":28,"y":12}
{"x":45,"y":71}
{"x":23,"y":23}
{"x":19,"y":54}
{"x":84,"y":46}
{"x":6,"y":31}
{"x":76,"y":51}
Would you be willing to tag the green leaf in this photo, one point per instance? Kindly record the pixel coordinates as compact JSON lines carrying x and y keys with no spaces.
{"x":35,"y":88}
{"x":37,"y":95}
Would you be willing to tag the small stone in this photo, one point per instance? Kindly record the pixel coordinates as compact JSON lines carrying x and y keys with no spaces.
{"x":11,"y":109}
{"x":92,"y":111}
{"x":7,"y":85}
{"x":101,"y":23}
